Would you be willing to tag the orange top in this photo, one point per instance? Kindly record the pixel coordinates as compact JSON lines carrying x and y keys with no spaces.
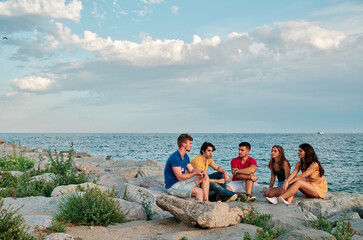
{"x":318,"y":182}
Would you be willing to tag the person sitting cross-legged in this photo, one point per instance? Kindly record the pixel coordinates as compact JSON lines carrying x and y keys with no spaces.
{"x":217,"y":180}
{"x":243,"y":169}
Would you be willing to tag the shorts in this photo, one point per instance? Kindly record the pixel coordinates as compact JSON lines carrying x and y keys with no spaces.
{"x":238,"y":186}
{"x":279,"y":184}
{"x":184,"y":188}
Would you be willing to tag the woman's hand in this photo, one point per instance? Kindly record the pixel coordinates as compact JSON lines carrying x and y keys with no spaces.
{"x":285,"y":186}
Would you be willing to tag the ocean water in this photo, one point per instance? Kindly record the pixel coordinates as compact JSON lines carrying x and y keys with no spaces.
{"x":341,"y":155}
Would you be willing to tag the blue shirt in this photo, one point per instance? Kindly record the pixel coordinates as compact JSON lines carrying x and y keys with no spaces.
{"x":175,"y":160}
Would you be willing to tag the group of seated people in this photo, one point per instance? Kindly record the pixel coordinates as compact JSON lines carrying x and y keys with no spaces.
{"x":186,"y":179}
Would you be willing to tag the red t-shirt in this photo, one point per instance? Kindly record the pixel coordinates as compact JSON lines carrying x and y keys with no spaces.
{"x":237,"y":163}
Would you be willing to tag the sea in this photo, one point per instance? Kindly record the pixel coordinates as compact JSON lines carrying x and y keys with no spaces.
{"x":341,"y":155}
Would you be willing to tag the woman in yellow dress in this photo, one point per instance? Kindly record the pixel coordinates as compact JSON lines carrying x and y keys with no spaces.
{"x":314,"y":186}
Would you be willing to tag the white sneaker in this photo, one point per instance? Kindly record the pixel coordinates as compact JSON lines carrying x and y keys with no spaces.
{"x":281,"y":200}
{"x":272,"y":200}
{"x":233,"y":198}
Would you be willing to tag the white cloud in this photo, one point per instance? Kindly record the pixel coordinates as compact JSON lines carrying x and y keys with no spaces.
{"x":152,"y":1}
{"x":148,"y":52}
{"x":32,"y":84}
{"x":308,"y":33}
{"x":175,"y":9}
{"x":48,"y":8}
{"x":142,"y":13}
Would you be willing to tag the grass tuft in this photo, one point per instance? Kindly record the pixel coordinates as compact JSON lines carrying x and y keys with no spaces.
{"x":93,"y":207}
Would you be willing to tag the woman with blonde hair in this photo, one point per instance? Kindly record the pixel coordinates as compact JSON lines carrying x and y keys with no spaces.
{"x":280,"y":168}
{"x":315,"y":185}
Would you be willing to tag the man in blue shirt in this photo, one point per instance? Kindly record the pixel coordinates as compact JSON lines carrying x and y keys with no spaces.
{"x":179,"y":182}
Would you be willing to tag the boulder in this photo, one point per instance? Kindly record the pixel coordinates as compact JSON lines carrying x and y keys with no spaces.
{"x":131,"y":210}
{"x":33,"y":205}
{"x":88,"y":168}
{"x":41,"y":165}
{"x":47,"y":177}
{"x":109,"y":180}
{"x":357,"y":225}
{"x":147,"y":182}
{"x":124,"y":172}
{"x":2,"y":141}
{"x":360,"y":212}
{"x":37,"y":222}
{"x":15,"y":173}
{"x":234,"y":232}
{"x":306,"y":234}
{"x":60,"y":190}
{"x":97,"y":161}
{"x":39,"y":150}
{"x":31,"y":155}
{"x":150,"y":171}
{"x":333,"y":204}
{"x":146,"y":197}
{"x":350,"y":215}
{"x":59,"y":236}
{"x":81,"y":155}
{"x":203,"y":214}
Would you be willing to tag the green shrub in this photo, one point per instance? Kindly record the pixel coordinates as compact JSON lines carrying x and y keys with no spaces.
{"x":256,"y":218}
{"x":261,"y":220}
{"x":20,"y":186}
{"x":16,"y":162}
{"x":11,"y":225}
{"x":57,"y":226}
{"x":321,"y":223}
{"x":343,"y":229}
{"x":93,"y":207}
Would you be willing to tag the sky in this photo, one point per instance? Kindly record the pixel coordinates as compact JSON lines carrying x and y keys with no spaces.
{"x":173,"y":66}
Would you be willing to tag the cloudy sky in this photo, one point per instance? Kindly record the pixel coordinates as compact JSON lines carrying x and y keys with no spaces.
{"x":181,"y":66}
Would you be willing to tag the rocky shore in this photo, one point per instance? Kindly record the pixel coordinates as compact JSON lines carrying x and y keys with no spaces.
{"x":140,"y":192}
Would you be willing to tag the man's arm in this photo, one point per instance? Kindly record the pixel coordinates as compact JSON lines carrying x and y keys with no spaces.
{"x":247,"y":171}
{"x":221,"y":170}
{"x":181,"y":177}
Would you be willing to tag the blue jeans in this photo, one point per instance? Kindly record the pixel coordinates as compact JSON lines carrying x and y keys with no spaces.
{"x":218,"y":188}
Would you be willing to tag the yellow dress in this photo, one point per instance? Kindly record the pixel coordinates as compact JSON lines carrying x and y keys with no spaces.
{"x":319,"y":183}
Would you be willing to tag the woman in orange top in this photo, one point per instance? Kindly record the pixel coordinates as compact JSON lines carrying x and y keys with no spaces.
{"x":314,"y":186}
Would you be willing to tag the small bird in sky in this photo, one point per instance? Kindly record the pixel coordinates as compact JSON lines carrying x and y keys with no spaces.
{"x":5,"y":38}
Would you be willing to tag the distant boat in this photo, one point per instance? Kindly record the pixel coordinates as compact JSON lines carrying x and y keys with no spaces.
{"x":320,"y":133}
{"x":353,"y":132}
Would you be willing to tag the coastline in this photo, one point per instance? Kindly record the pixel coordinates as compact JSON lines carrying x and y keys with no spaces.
{"x":130,"y":177}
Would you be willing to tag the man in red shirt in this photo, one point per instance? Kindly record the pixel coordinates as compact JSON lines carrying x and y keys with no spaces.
{"x":243,"y":169}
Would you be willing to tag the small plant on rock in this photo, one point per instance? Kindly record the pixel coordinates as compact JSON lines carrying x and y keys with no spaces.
{"x":322,"y":223}
{"x":342,"y":231}
{"x":93,"y":207}
{"x":145,"y":202}
{"x":11,"y":225}
{"x":57,"y":226}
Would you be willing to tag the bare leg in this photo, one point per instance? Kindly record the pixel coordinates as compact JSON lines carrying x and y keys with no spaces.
{"x":273,"y":192}
{"x":197,"y":193}
{"x":305,"y":187}
{"x":204,"y":182}
{"x":248,"y":179}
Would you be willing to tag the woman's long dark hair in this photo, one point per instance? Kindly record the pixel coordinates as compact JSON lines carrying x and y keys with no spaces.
{"x":282,"y":158}
{"x":310,"y":157}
